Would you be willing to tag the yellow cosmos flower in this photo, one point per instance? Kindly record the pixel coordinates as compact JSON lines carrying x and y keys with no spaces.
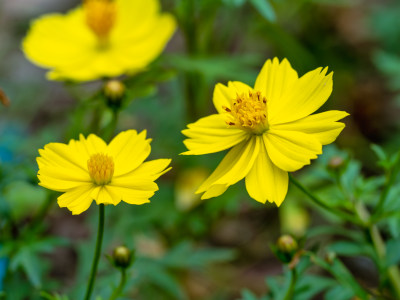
{"x":269,"y":127}
{"x":101,"y":38}
{"x":89,"y":169}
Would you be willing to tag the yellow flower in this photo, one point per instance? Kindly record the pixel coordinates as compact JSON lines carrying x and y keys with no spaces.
{"x":269,"y":127}
{"x":101,"y":38}
{"x":89,"y":169}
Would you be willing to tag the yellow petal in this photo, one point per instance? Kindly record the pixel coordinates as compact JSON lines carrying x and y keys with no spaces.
{"x":274,"y":80}
{"x":61,"y":168}
{"x":129,"y":150}
{"x":212,"y":134}
{"x":138,"y":186}
{"x":133,"y":16}
{"x":308,"y":94}
{"x":265,"y":181}
{"x":322,"y":126}
{"x":65,"y":156}
{"x":131,"y":196}
{"x":77,"y":200}
{"x":214,"y":191}
{"x":105,"y":197}
{"x":56,"y":40}
{"x":291,"y":150}
{"x":134,"y":49}
{"x":223,"y":95}
{"x":93,"y":144}
{"x":234,"y":167}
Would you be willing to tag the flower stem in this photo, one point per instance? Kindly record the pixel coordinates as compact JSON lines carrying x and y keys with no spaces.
{"x":290,"y":291}
{"x":97,"y":252}
{"x":322,"y":204}
{"x":120,"y":287}
{"x":380,"y":248}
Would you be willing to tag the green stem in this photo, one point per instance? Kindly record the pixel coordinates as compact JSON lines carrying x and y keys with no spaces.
{"x":380,"y":248}
{"x":322,"y":204}
{"x":97,"y":252}
{"x":112,"y":126}
{"x":120,"y":287}
{"x":290,"y":291}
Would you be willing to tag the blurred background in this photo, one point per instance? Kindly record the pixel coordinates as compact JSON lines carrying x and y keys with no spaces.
{"x":187,"y":248}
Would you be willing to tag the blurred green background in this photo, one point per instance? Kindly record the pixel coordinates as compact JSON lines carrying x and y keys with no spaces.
{"x":186,"y":249}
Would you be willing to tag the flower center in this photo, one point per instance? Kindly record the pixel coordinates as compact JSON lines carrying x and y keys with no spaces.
{"x":100,"y":17}
{"x":101,"y":168}
{"x":249,"y":112}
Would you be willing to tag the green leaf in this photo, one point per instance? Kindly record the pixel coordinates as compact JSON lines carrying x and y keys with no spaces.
{"x":248,"y":295}
{"x":265,"y":8}
{"x":392,"y":252}
{"x":30,"y":263}
{"x":348,"y":248}
{"x":219,"y":67}
{"x":184,"y":256}
{"x":309,"y":285}
{"x":342,"y":275}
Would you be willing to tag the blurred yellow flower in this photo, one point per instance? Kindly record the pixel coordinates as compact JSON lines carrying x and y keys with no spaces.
{"x":101,"y":38}
{"x":89,"y":169}
{"x":269,"y":127}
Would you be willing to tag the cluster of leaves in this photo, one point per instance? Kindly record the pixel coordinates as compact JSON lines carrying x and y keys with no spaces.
{"x":371,"y":202}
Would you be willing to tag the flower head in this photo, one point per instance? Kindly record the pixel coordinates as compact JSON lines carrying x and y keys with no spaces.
{"x":101,"y":38}
{"x":88,"y":169}
{"x":271,"y":129}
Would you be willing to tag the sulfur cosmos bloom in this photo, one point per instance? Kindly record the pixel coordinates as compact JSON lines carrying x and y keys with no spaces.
{"x":88,"y":169}
{"x":101,"y":38}
{"x":270,"y":128}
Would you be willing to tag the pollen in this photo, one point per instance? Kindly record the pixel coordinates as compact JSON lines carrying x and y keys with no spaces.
{"x":249,"y":112}
{"x":100,"y":17}
{"x":101,"y":168}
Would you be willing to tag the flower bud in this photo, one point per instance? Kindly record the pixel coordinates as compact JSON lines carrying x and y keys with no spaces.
{"x":335,"y":162}
{"x":114,"y":90}
{"x":122,"y":257}
{"x":330,"y":257}
{"x":287,"y":244}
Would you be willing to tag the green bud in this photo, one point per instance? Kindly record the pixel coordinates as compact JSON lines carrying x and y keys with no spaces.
{"x":122,"y":257}
{"x":330,"y":257}
{"x":114,"y":90}
{"x":287,"y":244}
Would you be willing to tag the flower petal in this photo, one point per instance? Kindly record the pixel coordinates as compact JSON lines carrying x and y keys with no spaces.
{"x":223,"y":95}
{"x":77,"y":200}
{"x":273,"y":82}
{"x":138,"y":186}
{"x":93,"y":144}
{"x":215,"y":191}
{"x":62,"y":167}
{"x":212,"y":134}
{"x":291,"y":150}
{"x":234,"y":167}
{"x":143,"y":177}
{"x":130,"y":195}
{"x":308,"y":94}
{"x":105,"y":197}
{"x":322,"y":126}
{"x":265,"y":181}
{"x":56,"y":40}
{"x":129,"y":150}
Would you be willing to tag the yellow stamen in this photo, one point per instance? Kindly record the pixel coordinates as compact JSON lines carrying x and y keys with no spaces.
{"x":249,"y":111}
{"x":101,"y":168}
{"x":100,"y":17}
